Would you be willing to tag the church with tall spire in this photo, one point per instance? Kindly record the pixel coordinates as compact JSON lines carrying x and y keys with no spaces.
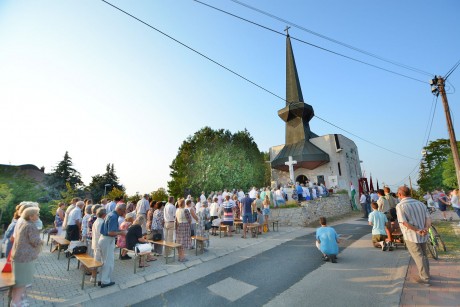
{"x":331,"y":159}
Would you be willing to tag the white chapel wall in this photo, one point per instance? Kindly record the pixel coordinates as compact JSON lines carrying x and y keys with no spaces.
{"x":348,"y":157}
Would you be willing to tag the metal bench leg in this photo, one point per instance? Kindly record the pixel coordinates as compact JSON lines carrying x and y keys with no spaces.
{"x":83,"y":279}
{"x":135,"y":262}
{"x":59,"y":250}
{"x":68,"y":263}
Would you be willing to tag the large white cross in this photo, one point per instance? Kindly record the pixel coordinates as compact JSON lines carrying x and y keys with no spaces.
{"x":291,"y":163}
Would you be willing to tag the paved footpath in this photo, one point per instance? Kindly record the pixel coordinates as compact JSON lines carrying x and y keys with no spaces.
{"x":361,"y":272}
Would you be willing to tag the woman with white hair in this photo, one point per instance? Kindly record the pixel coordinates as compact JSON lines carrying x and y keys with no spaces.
{"x":26,"y":247}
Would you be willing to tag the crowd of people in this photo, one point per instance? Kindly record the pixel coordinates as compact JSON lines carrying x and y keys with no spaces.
{"x":443,"y":202}
{"x":102,"y":227}
{"x":392,"y":213}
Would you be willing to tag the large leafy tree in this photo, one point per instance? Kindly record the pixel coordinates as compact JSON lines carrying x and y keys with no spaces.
{"x":159,"y":195}
{"x":436,"y":166}
{"x":216,"y":159}
{"x":104,"y":183}
{"x":449,"y":176}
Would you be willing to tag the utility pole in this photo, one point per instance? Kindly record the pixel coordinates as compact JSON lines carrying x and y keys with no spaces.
{"x":439,"y":82}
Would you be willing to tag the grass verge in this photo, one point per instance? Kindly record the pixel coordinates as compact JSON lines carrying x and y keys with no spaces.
{"x":450,"y":238}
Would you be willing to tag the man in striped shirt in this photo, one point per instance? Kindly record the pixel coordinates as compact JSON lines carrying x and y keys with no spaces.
{"x":414,"y":219}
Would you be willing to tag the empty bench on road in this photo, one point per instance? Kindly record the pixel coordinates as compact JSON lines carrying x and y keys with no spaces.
{"x":87,"y":261}
{"x":167,"y":244}
{"x":199,"y":243}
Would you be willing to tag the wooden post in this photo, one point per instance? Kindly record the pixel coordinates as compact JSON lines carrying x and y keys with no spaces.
{"x":450,"y":128}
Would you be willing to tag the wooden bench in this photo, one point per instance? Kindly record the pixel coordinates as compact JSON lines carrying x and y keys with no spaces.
{"x":61,"y":243}
{"x":223,"y":228}
{"x":136,"y":257}
{"x":6,"y":283}
{"x":199,"y":243}
{"x":87,"y":261}
{"x":275,"y":222}
{"x":167,"y":244}
{"x":254,"y":229}
{"x":238,"y":225}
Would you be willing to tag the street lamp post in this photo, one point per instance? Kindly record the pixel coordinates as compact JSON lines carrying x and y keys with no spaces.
{"x":105,"y":188}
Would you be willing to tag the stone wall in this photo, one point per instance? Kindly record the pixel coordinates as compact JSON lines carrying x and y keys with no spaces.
{"x":311,"y":210}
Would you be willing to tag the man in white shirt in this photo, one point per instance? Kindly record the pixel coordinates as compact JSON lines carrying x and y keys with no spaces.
{"x":74,"y":223}
{"x":142,"y":207}
{"x":67,"y":212}
{"x":202,"y":197}
{"x":374,"y":196}
{"x":170,"y":218}
{"x":224,"y":194}
{"x":253,"y":193}
{"x":363,"y":203}
{"x":96,"y":234}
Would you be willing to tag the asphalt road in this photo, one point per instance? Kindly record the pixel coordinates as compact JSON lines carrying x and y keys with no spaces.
{"x":268,"y":274}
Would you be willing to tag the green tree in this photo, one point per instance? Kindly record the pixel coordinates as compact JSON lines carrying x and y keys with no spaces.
{"x":216,"y":159}
{"x":64,"y":173}
{"x":449,"y":175}
{"x":159,"y":195}
{"x":17,"y":187}
{"x":432,"y":165}
{"x":6,"y":197}
{"x":104,"y":183}
{"x":115,"y":193}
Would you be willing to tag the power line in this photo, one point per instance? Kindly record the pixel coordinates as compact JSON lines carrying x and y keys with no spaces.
{"x":194,"y":50}
{"x":389,"y":150}
{"x":451,"y":70}
{"x":332,"y":39}
{"x":432,"y":120}
{"x":242,"y":77}
{"x":402,"y":181}
{"x":310,"y":44}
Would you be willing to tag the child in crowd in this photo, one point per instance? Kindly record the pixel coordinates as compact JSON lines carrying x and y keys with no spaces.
{"x":260,"y":220}
{"x":215,"y":226}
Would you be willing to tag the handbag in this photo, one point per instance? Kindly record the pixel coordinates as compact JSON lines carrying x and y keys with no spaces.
{"x":79,"y":250}
{"x":157,"y":237}
{"x":142,"y":248}
{"x":207,"y":225}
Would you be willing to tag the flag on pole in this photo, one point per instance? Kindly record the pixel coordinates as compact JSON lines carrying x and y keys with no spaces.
{"x":371,"y":186}
{"x":377,"y":184}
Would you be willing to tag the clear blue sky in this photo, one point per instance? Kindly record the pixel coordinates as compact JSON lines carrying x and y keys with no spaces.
{"x":82,"y":77}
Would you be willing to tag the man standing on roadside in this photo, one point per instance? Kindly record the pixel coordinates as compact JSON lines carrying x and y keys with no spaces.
{"x":246,"y":213}
{"x":170,"y":218}
{"x":363,"y":203}
{"x":415,"y":221}
{"x":142,"y":208}
{"x":106,"y":244}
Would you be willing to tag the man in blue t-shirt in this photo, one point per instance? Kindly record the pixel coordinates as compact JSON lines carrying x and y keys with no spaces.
{"x":378,"y":220}
{"x":327,"y":241}
{"x":109,"y":230}
{"x":246,"y":213}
